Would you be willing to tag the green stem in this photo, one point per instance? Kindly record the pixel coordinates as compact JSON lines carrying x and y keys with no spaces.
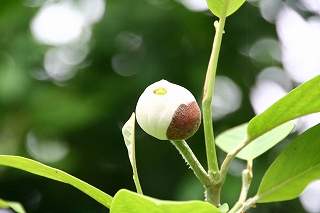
{"x":213,"y":167}
{"x":246,"y":181}
{"x":136,"y":180}
{"x":248,"y":204}
{"x":193,"y":162}
{"x":212,"y":191}
{"x":231,"y":155}
{"x":213,"y":194}
{"x":226,"y":163}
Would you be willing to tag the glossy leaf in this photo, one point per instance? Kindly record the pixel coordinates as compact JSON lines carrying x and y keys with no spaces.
{"x":216,"y":6}
{"x":293,"y":170}
{"x":301,"y":101}
{"x":55,"y":174}
{"x":129,"y":202}
{"x":229,"y":139}
{"x":17,"y":207}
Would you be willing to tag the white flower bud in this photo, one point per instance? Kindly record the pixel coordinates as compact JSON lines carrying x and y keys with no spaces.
{"x":168,"y":111}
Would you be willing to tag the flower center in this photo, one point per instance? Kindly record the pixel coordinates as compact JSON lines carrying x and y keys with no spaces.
{"x":160,"y":91}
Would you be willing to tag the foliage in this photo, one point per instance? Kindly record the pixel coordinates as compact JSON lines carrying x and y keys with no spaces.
{"x":139,"y":203}
{"x":129,"y":139}
{"x":283,"y":180}
{"x":55,"y":174}
{"x":295,"y":104}
{"x":85,"y":109}
{"x":229,"y":139}
{"x":216,"y":6}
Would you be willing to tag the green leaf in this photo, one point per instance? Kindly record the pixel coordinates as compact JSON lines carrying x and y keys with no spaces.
{"x":17,"y":207}
{"x":129,"y":202}
{"x":216,"y":6}
{"x":128,"y":135}
{"x":293,"y":170}
{"x":229,"y":139}
{"x":55,"y":174}
{"x":301,"y":101}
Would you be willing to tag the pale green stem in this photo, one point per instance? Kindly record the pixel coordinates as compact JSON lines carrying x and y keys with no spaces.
{"x":248,"y":204}
{"x":213,"y":167}
{"x":136,"y":180}
{"x":230,"y":156}
{"x":212,"y":192}
{"x":193,"y":162}
{"x":246,"y":181}
{"x":134,"y":169}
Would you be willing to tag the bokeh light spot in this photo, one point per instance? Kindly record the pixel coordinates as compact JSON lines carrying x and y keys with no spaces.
{"x":57,"y":24}
{"x":269,"y":9}
{"x":226,"y":99}
{"x":310,"y":198}
{"x":55,"y":68}
{"x":46,"y":150}
{"x":300,"y":44}
{"x":130,"y":53}
{"x":266,"y":51}
{"x":313,"y":6}
{"x":195,"y":5}
{"x":92,"y":10}
{"x":268,"y":89}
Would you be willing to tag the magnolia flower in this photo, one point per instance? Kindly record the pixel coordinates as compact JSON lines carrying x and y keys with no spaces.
{"x":168,"y":111}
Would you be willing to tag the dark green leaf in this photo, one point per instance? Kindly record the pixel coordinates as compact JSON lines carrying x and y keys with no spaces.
{"x":129,"y":202}
{"x":301,"y":101}
{"x":293,"y":170}
{"x":229,"y":139}
{"x":55,"y":174}
{"x":216,"y":6}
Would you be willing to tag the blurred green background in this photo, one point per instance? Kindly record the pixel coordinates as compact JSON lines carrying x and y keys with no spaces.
{"x":63,"y":101}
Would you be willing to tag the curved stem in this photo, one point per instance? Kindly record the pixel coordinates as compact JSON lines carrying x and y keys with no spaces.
{"x":246,"y":181}
{"x":230,"y":156}
{"x":193,"y":162}
{"x":136,"y":179}
{"x":212,"y":190}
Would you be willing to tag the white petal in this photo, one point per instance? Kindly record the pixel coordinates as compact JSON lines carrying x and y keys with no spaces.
{"x":154,"y":112}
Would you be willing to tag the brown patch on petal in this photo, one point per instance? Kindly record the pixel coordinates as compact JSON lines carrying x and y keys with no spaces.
{"x":185,"y":121}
